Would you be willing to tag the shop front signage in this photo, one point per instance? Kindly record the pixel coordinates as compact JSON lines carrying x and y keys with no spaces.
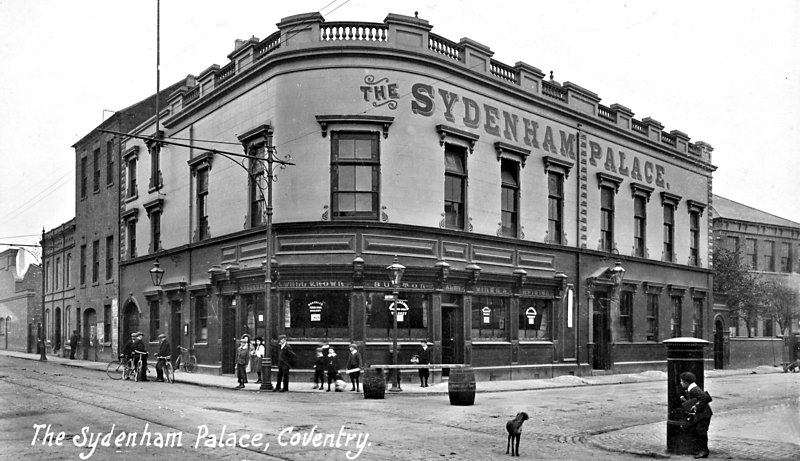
{"x":404,"y":285}
{"x":530,"y":314}
{"x":313,"y":284}
{"x":315,"y":309}
{"x":399,"y":308}
{"x":493,"y":290}
{"x":538,"y":293}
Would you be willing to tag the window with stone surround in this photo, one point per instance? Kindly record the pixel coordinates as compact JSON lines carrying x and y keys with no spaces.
{"x":83,"y":265}
{"x":96,"y":170}
{"x":509,"y":190}
{"x":751,"y":253}
{"x":109,"y":162}
{"x":355,"y":175}
{"x":786,"y":257}
{"x":769,"y":256}
{"x":677,"y":316}
{"x":555,"y":208}
{"x":95,"y":261}
{"x":455,"y":186}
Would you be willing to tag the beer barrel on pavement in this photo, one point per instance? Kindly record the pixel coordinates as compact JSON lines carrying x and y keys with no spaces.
{"x":374,"y":383}
{"x":461,"y":386}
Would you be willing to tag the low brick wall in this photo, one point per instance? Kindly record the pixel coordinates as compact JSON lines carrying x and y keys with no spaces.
{"x":753,"y":352}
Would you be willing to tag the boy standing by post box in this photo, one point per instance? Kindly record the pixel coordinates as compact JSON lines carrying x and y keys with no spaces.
{"x":698,"y":401}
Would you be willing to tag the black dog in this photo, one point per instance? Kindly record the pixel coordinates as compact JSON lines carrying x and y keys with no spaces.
{"x":514,"y":428}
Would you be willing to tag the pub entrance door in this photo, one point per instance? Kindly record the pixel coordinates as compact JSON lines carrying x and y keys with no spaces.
{"x":452,"y":335}
{"x":601,"y":334}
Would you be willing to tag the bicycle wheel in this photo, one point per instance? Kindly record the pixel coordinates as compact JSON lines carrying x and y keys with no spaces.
{"x":137,"y":370}
{"x":191,"y":364}
{"x":169,"y":372}
{"x":115,"y":369}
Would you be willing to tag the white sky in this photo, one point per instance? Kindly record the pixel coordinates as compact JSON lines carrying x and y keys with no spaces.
{"x":724,"y":72}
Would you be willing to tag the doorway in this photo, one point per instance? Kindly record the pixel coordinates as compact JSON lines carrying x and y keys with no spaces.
{"x":89,"y":335}
{"x":719,"y":345}
{"x":601,"y":335}
{"x":57,"y":332}
{"x":228,"y":336}
{"x":175,"y":333}
{"x":130,"y":322}
{"x":452,"y":335}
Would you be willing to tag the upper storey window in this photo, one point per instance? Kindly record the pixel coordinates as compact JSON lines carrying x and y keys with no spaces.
{"x":355,"y":175}
{"x":509,"y":178}
{"x":455,"y":186}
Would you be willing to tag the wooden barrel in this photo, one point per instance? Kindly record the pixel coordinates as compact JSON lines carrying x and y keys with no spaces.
{"x":374,"y":383}
{"x":461,"y":386}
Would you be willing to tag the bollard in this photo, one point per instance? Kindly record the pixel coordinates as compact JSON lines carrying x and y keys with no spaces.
{"x":683,"y":354}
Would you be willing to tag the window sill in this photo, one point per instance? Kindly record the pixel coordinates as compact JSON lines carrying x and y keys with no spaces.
{"x":131,"y":198}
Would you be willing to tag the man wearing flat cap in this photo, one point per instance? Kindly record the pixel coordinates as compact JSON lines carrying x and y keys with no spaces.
{"x":164,"y":354}
{"x":127,"y":351}
{"x":140,"y":353}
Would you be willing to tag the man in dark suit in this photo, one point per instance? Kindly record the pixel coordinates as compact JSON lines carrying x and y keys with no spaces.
{"x":697,"y":400}
{"x":73,"y":344}
{"x":286,"y":359}
{"x":424,"y":356}
{"x":141,"y":354}
{"x":164,"y":354}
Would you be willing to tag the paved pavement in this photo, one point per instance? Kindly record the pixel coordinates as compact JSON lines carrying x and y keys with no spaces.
{"x":734,"y":435}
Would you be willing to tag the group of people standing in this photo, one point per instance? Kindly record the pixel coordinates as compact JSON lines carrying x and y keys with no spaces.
{"x":251,"y":355}
{"x":327,"y":365}
{"x":135,"y":351}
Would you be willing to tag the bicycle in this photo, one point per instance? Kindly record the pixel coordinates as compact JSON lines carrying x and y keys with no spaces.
{"x":137,"y":370}
{"x":169,"y":372}
{"x":189,"y":363}
{"x":120,"y":368}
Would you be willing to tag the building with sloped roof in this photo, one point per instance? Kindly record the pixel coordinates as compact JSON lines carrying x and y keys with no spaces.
{"x":770,"y":245}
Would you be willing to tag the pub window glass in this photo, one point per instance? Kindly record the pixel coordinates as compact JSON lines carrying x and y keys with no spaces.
{"x":317,"y":314}
{"x":414,"y":323}
{"x":535,"y":319}
{"x":489,"y":315}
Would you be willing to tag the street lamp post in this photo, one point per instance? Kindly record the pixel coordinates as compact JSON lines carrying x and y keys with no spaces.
{"x":42,"y":353}
{"x":261,"y":138}
{"x":396,"y":275}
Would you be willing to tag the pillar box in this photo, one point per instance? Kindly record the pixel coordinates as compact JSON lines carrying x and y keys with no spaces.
{"x":683,"y":354}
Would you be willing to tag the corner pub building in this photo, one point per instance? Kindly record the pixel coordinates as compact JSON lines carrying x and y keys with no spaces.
{"x":542,"y":233}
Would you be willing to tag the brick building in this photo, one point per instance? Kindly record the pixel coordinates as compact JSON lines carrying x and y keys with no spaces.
{"x":542,"y":232}
{"x":770,"y":245}
{"x":20,"y":302}
{"x":58,"y":250}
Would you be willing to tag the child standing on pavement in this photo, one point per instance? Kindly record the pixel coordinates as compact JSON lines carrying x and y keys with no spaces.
{"x":320,"y":366}
{"x":333,"y":369}
{"x":242,"y":359}
{"x":353,"y":368}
